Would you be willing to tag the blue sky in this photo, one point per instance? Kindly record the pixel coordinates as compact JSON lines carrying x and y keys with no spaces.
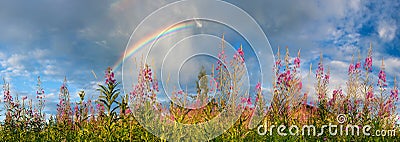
{"x":57,"y":38}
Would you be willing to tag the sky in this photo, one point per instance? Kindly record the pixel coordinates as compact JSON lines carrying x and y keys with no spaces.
{"x":54,"y":39}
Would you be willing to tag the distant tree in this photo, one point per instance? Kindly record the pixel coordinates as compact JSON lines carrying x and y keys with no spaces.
{"x":201,"y":85}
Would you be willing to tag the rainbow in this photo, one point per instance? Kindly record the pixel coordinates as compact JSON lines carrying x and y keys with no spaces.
{"x":150,"y":39}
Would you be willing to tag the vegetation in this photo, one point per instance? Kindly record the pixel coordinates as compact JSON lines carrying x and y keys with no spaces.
{"x":113,"y":116}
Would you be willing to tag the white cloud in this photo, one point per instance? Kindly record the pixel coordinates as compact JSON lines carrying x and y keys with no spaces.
{"x":387,"y":30}
{"x":338,"y":64}
{"x":50,"y":70}
{"x":14,"y":66}
{"x":355,"y":4}
{"x":2,"y":56}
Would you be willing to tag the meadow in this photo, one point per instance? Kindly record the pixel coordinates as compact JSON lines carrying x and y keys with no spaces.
{"x":113,"y":115}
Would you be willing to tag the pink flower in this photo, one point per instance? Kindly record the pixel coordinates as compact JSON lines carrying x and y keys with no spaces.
{"x":278,"y":63}
{"x":358,"y":65}
{"x":240,"y":52}
{"x":76,"y":108}
{"x":128,"y":111}
{"x":370,"y":95}
{"x":246,"y":100}
{"x":249,"y":101}
{"x":221,"y":55}
{"x":297,"y":62}
{"x":382,"y":76}
{"x":334,"y":96}
{"x":109,"y":76}
{"x":327,"y":76}
{"x":285,"y":78}
{"x":394,"y":94}
{"x":7,"y":96}
{"x":155,"y":85}
{"x":368,"y":63}
{"x":258,"y":86}
{"x":100,"y":107}
{"x":239,"y":55}
{"x":300,"y":85}
{"x":320,"y":70}
{"x":305,"y":96}
{"x":351,"y":69}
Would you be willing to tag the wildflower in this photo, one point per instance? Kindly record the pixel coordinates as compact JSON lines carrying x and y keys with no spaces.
{"x":249,"y":101}
{"x":370,"y":95}
{"x":368,"y":60}
{"x":394,"y":94}
{"x":258,"y":86}
{"x":212,"y":84}
{"x":147,"y":73}
{"x":109,"y":76}
{"x":155,"y":85}
{"x":368,"y":63}
{"x":278,"y":62}
{"x":240,"y":51}
{"x":222,"y":59}
{"x":357,"y":102}
{"x":382,"y":76}
{"x":7,"y":95}
{"x":76,"y":108}
{"x":246,"y":100}
{"x":327,"y":76}
{"x":358,"y":65}
{"x":239,"y":55}
{"x":180,"y":92}
{"x":297,"y":62}
{"x":351,"y":69}
{"x":305,"y":97}
{"x":100,"y":107}
{"x":128,"y":111}
{"x":335,"y":94}
{"x":221,"y":55}
{"x":300,"y":85}
{"x":320,"y":70}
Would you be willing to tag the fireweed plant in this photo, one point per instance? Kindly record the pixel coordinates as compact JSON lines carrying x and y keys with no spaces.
{"x":110,"y":117}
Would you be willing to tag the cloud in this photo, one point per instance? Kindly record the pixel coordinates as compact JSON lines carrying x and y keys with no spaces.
{"x":387,"y":30}
{"x":14,"y":66}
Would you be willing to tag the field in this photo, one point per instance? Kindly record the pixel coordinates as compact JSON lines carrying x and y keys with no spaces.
{"x":121,"y":117}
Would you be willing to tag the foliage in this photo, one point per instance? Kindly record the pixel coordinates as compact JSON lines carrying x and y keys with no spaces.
{"x":111,"y":118}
